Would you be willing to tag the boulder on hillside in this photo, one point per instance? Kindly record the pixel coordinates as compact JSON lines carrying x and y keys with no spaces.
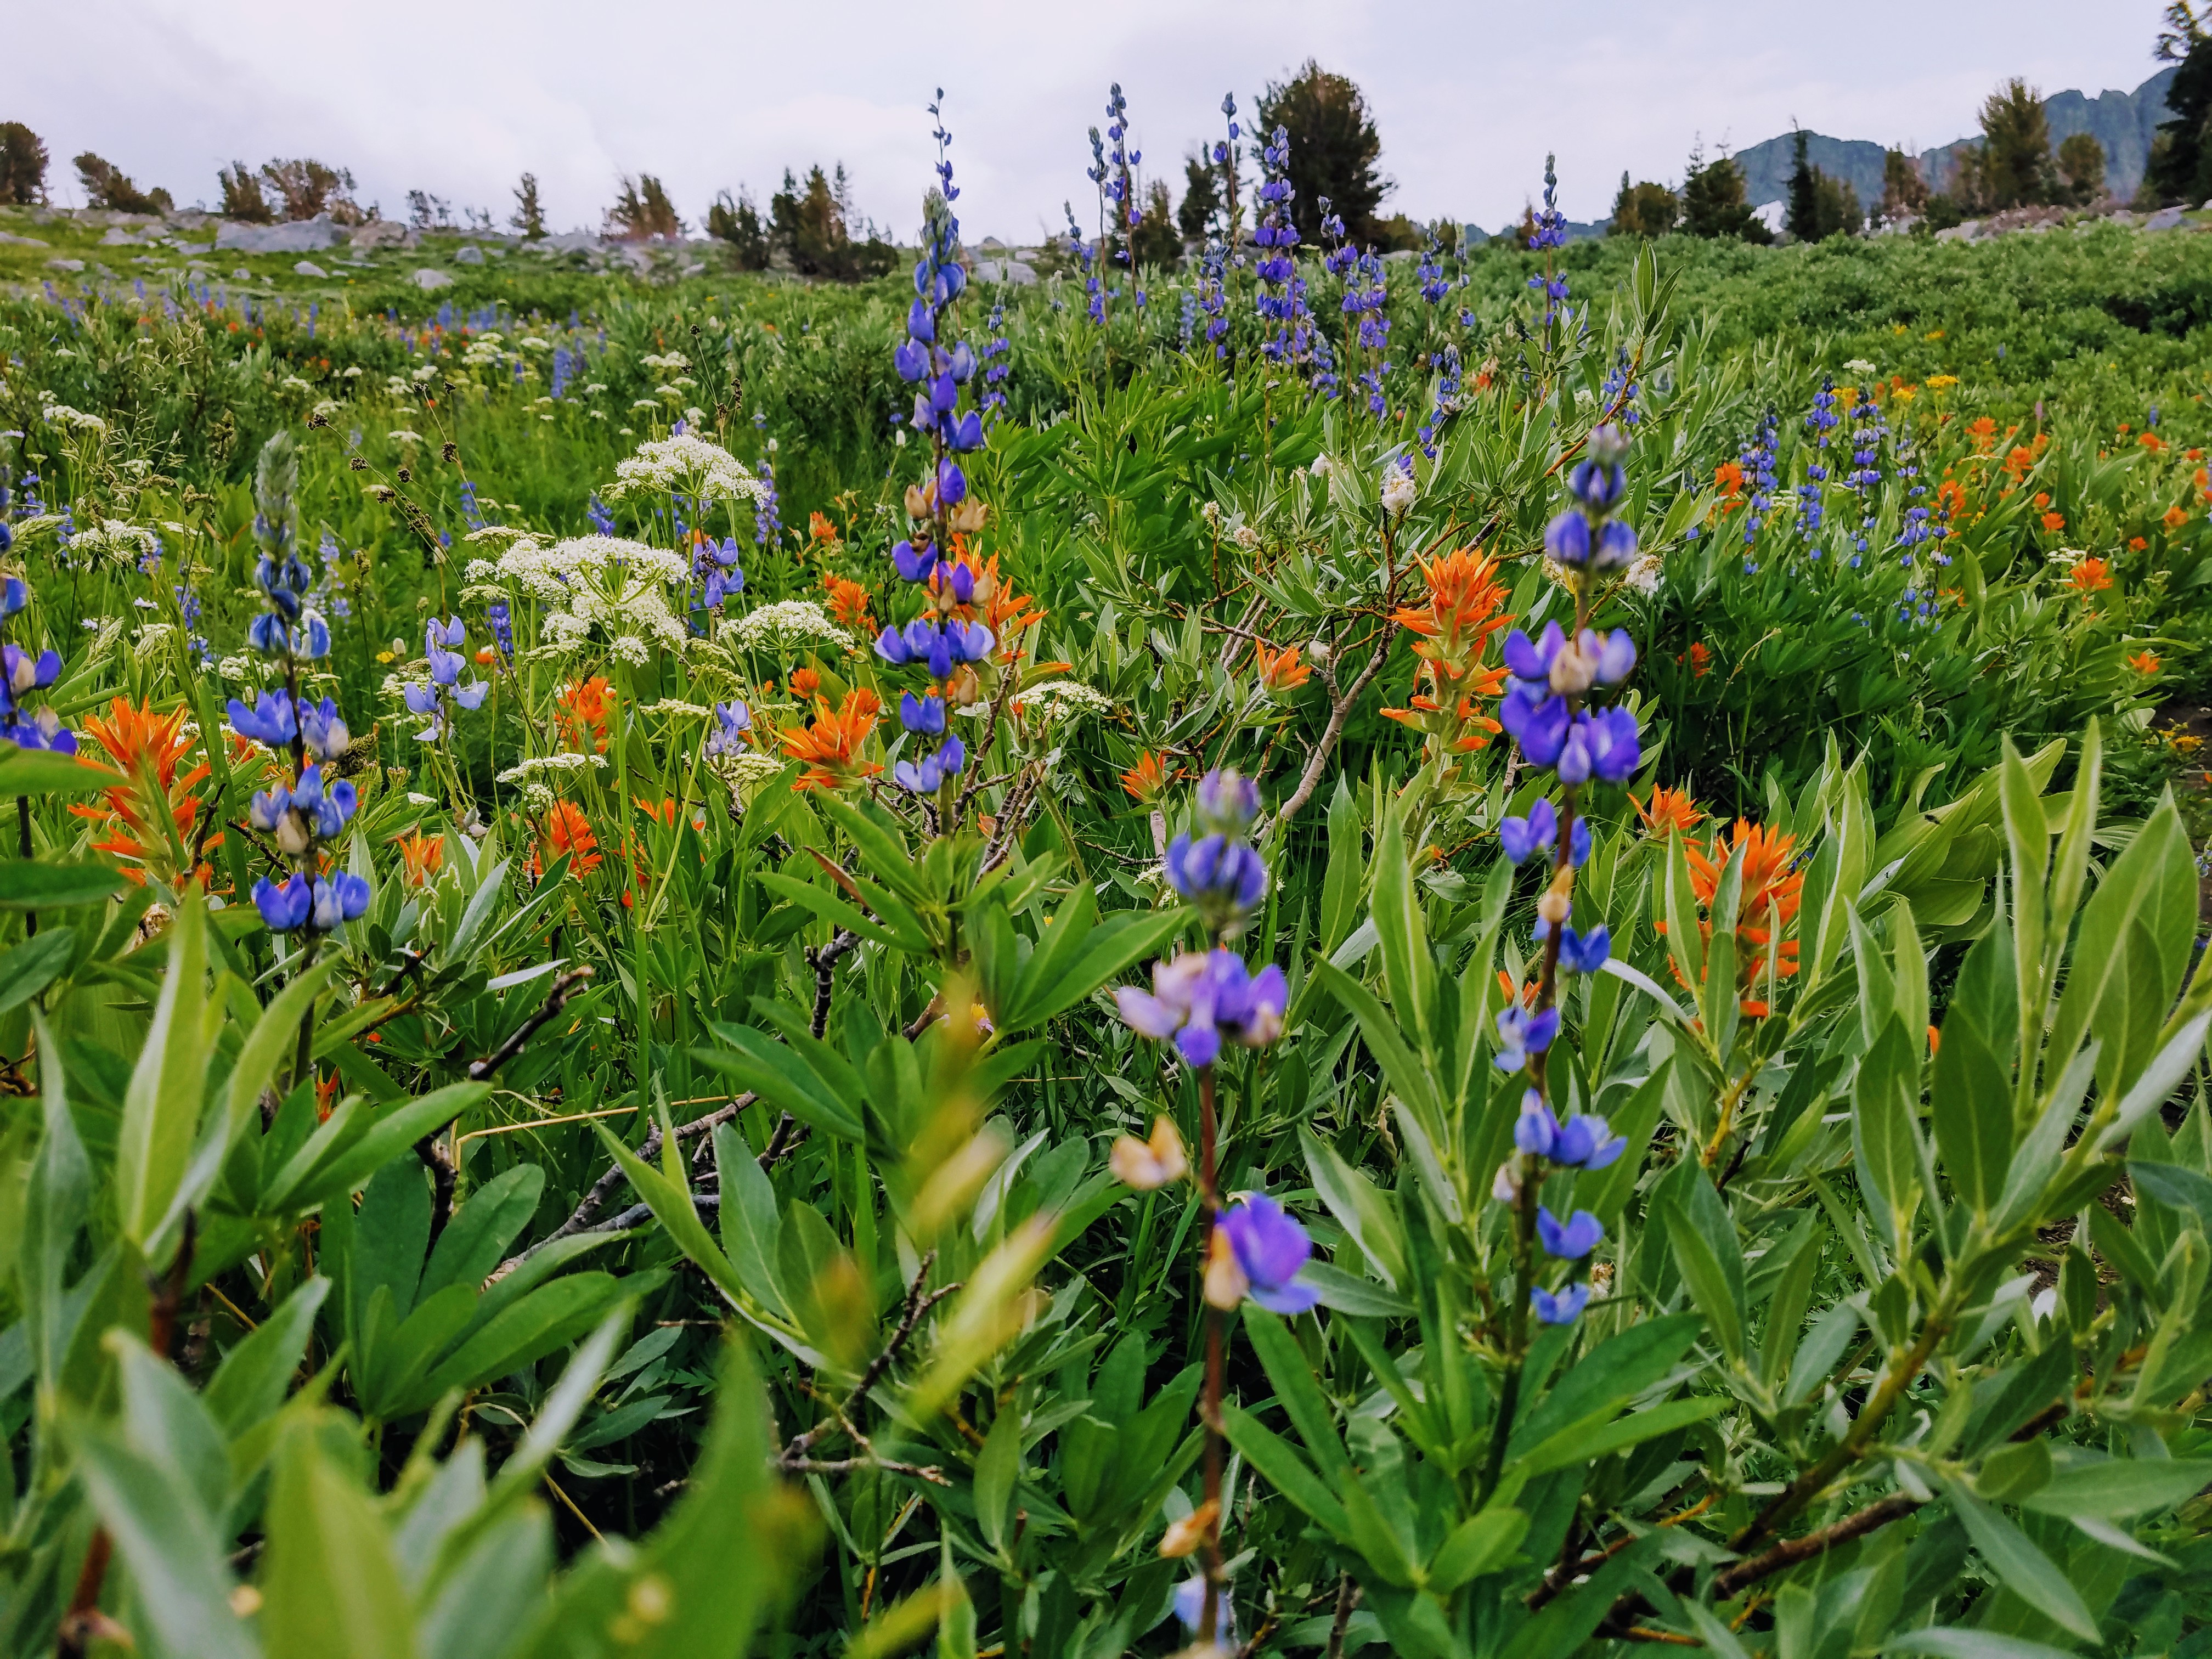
{"x":1017,"y":272}
{"x":382,"y":233}
{"x":470,"y":255}
{"x":427,"y":279}
{"x":309,"y":268}
{"x":294,"y":236}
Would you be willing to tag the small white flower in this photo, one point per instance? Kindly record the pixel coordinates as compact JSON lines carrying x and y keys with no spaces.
{"x":1398,"y":490}
{"x":687,"y":462}
{"x":415,"y":800}
{"x":1057,"y":700}
{"x":789,"y":621}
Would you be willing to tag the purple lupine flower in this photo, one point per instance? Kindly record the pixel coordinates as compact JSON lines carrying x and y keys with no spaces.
{"x":270,"y":720}
{"x":1522,"y":838}
{"x":1201,"y":997}
{"x":1536,"y":720}
{"x":1605,"y":744}
{"x":1270,"y":1249}
{"x":1190,"y":1608}
{"x":1584,"y":953}
{"x":287,"y":907}
{"x":1570,"y":1240}
{"x":1584,"y":1142}
{"x":1217,"y":870}
{"x":1564,"y":1309}
{"x":1520,"y":1034}
{"x":923,"y":714}
{"x":732,"y":721}
{"x":929,"y":777}
{"x":323,"y":729}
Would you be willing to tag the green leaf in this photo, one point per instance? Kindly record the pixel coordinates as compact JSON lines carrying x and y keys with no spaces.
{"x":1408,"y":971}
{"x":1285,"y":1470}
{"x":1970,"y":1107}
{"x":1350,"y":1293}
{"x":2117,"y":1488}
{"x":1717,"y":1293}
{"x":1362,"y":1211}
{"x":174,"y":1549}
{"x":330,"y":1585}
{"x":1059,"y":975}
{"x":2024,"y":1570}
{"x":161,"y":1106}
{"x":998,"y":1466}
{"x":1685,"y":944}
{"x":2173,"y":1062}
{"x":1383,"y":1034}
{"x":43,"y":772}
{"x":1954,"y":1643}
{"x":1297,"y":1391}
{"x":1608,"y":1377}
{"x":27,"y":887}
{"x":2138,"y":885}
{"x":1579,"y":1444}
{"x":1884,"y":1136}
{"x":28,"y":969}
{"x":1347,"y":875}
{"x":341,"y":1156}
{"x":255,"y":1376}
{"x":809,"y":1080}
{"x":1482,"y":1543}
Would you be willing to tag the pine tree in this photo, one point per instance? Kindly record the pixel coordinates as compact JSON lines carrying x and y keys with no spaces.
{"x":529,"y":216}
{"x":2015,"y":146}
{"x":737,"y":221}
{"x":1333,"y":149}
{"x":1201,"y":197}
{"x":22,"y":165}
{"x":1804,"y":213}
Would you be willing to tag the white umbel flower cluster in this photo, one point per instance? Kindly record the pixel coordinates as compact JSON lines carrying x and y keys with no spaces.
{"x":1058,"y":700}
{"x":523,"y":771}
{"x":691,"y":464}
{"x":125,"y":541}
{"x":787,"y":622}
{"x":620,"y":588}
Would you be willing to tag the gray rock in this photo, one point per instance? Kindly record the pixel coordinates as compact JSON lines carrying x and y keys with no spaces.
{"x":65,"y":264}
{"x":427,"y":279}
{"x":309,"y":268}
{"x":8,"y":239}
{"x":2163,"y":218}
{"x":1015,"y":272}
{"x":119,"y":237}
{"x":470,"y":255}
{"x":571,"y":241}
{"x":694,"y":269}
{"x":298,"y":236}
{"x":242,"y":275}
{"x":382,"y":233}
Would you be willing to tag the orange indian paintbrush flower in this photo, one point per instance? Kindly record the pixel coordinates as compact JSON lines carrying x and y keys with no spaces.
{"x":830,"y":744}
{"x":153,"y":819}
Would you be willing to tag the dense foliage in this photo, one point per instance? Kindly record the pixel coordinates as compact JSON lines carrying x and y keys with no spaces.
{"x":748,"y":968}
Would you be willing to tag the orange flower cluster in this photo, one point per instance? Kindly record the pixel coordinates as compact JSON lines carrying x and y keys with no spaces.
{"x":1667,"y":811}
{"x":2145,"y":663}
{"x":153,"y":820}
{"x":848,"y":603}
{"x":1281,"y":671}
{"x":420,"y":856}
{"x":821,"y":530}
{"x":2090,"y":576}
{"x":1983,"y":432}
{"x":1699,"y":657}
{"x":580,"y":710}
{"x":1771,"y":891}
{"x":567,"y":830}
{"x":829,"y":744}
{"x":1456,"y":626}
{"x":1148,"y":779}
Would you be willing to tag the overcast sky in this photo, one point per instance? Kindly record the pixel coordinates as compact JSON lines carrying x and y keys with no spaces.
{"x":460,"y":96}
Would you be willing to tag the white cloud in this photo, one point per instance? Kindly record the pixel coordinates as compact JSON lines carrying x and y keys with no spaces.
{"x":459,"y":97}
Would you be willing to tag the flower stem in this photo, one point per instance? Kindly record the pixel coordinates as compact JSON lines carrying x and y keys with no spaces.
{"x":1210,"y":1410}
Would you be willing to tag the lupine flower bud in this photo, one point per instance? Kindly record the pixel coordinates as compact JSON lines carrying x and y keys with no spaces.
{"x":1227,"y":800}
{"x":1561,"y":1310}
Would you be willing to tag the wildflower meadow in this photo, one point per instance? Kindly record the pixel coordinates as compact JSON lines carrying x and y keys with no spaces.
{"x":1492,"y":953}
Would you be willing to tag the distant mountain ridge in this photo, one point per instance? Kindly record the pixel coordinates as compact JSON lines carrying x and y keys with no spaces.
{"x":2125,"y":122}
